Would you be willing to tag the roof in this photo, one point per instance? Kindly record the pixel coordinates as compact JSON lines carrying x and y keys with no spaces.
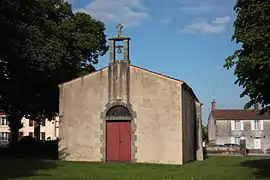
{"x":238,"y":114}
{"x":2,"y":114}
{"x":185,"y":85}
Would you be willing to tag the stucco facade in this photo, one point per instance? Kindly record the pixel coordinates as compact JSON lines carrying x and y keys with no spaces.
{"x":224,"y":134}
{"x":165,"y":114}
{"x":254,"y":128}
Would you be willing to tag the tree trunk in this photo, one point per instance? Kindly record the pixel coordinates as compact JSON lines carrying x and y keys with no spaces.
{"x":37,"y":130}
{"x":15,"y":125}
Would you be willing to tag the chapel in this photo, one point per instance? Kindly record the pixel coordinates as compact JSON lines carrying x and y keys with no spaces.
{"x":125,"y":113}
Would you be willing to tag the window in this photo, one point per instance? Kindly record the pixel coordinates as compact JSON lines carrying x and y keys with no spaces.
{"x":43,"y":136}
{"x":4,"y":136}
{"x":31,"y":134}
{"x":31,"y":123}
{"x":237,"y":125}
{"x":237,"y":140}
{"x":43,"y":123}
{"x":4,"y":121}
{"x":257,"y":125}
{"x":118,"y":111}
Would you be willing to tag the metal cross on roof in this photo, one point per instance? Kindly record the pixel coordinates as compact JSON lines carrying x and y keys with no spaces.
{"x":119,"y":30}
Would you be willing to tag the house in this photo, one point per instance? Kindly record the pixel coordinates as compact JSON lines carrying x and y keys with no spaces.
{"x":48,"y":129}
{"x":125,"y":113}
{"x":232,"y":125}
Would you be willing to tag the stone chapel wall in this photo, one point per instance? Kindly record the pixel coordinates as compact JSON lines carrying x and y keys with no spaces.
{"x":189,"y":122}
{"x":156,"y":100}
{"x":81,"y":103}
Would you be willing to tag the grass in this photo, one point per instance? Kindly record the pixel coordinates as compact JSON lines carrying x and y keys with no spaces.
{"x":213,"y":168}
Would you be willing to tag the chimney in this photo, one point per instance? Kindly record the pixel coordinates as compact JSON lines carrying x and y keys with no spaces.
{"x":213,"y":103}
{"x":256,"y":107}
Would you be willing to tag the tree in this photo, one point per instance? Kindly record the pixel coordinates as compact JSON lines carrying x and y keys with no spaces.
{"x":205,"y":133}
{"x":44,"y":44}
{"x":252,"y":60}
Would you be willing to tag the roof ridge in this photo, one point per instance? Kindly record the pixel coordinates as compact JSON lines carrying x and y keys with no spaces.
{"x":236,"y":109}
{"x":238,"y":114}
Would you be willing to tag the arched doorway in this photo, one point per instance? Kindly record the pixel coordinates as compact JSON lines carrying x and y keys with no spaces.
{"x":118,"y":134}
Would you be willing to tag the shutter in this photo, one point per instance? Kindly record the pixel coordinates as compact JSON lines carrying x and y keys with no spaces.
{"x":232,"y":125}
{"x":261,"y":122}
{"x":6,"y":121}
{"x":1,"y":118}
{"x":232,"y":140}
{"x":43,"y":136}
{"x":31,"y":123}
{"x":242,"y":125}
{"x":9,"y":135}
{"x":252,"y":124}
{"x":5,"y":136}
{"x":43,"y":122}
{"x":31,"y":134}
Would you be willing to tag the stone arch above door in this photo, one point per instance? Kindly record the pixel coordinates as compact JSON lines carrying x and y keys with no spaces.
{"x":118,"y":109}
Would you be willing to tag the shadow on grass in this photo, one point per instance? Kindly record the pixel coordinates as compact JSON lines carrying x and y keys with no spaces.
{"x":260,"y":165}
{"x":11,"y":167}
{"x":31,"y":159}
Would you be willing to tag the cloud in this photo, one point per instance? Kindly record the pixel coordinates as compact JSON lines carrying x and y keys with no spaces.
{"x":165,"y":21}
{"x":196,"y":9}
{"x":203,"y":27}
{"x":127,"y":12}
{"x":69,"y":1}
{"x":221,"y":20}
{"x":186,"y":11}
{"x":195,"y":6}
{"x":216,"y":26}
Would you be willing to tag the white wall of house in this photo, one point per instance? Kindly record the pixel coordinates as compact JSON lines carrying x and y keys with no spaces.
{"x":255,"y":132}
{"x":49,"y":130}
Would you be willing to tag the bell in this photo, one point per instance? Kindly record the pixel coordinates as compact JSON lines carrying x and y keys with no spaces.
{"x":119,"y":50}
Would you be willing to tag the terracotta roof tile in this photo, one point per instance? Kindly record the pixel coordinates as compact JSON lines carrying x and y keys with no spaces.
{"x":2,"y":113}
{"x":238,"y":114}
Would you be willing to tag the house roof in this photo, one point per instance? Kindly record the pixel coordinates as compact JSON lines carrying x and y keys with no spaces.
{"x":238,"y":114}
{"x":185,"y":85}
{"x":2,"y":114}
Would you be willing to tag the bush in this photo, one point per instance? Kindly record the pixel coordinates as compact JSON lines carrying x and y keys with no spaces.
{"x":48,"y":149}
{"x":4,"y":152}
{"x":28,"y":146}
{"x":204,"y":153}
{"x":31,"y":147}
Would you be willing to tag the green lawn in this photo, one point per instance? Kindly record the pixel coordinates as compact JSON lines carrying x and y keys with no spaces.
{"x":213,"y":168}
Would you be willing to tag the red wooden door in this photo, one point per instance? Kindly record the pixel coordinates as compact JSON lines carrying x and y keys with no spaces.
{"x":118,"y":141}
{"x":112,"y":141}
{"x":125,"y":142}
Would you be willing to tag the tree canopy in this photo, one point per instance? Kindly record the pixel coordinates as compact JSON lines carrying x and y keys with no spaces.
{"x":252,"y":60}
{"x":205,"y":133}
{"x":43,"y":43}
